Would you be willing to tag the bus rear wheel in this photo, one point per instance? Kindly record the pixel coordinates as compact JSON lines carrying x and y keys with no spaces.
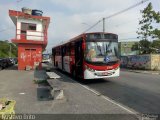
{"x":74,"y":74}
{"x":1,"y":67}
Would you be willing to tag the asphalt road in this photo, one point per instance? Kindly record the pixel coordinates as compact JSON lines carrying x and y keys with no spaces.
{"x":138,"y":91}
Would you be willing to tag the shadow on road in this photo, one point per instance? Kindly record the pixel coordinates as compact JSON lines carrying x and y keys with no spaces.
{"x":73,"y":80}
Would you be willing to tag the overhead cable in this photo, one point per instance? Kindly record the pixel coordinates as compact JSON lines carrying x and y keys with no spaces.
{"x":115,"y":14}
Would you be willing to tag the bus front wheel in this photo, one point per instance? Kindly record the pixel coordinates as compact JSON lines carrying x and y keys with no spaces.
{"x":73,"y":73}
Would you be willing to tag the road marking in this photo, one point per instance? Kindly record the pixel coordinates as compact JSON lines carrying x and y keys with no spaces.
{"x":95,"y":92}
{"x":104,"y":97}
{"x":110,"y":100}
{"x":143,"y":72}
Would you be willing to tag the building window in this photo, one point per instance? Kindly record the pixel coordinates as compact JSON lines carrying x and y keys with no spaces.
{"x":32,"y":27}
{"x":28,"y":26}
{"x":24,"y":27}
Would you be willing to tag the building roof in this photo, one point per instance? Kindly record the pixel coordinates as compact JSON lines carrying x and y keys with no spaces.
{"x":18,"y":14}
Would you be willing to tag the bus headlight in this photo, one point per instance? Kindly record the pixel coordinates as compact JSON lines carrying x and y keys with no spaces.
{"x":86,"y":67}
{"x":116,"y":68}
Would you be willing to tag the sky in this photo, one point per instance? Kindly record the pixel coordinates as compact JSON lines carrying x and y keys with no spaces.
{"x":70,"y":18}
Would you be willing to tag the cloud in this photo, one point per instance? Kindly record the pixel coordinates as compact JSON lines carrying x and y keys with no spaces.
{"x":88,"y":12}
{"x":67,"y":17}
{"x":93,"y":5}
{"x":7,"y":29}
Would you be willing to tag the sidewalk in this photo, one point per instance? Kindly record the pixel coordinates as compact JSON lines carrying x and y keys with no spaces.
{"x":141,"y":71}
{"x":19,"y":86}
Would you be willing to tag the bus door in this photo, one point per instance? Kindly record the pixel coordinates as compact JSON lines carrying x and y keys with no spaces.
{"x":63,"y":54}
{"x":79,"y":58}
{"x":53,"y":57}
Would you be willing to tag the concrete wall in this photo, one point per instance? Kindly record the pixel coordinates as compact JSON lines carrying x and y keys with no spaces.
{"x":155,"y":62}
{"x":146,"y":62}
{"x":29,"y":55}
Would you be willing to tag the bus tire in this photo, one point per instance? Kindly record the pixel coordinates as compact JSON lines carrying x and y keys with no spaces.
{"x":1,"y":67}
{"x":73,"y":72}
{"x":56,"y":64}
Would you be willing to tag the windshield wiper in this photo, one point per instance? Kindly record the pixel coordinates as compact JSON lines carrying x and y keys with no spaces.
{"x":107,"y":48}
{"x":99,"y":48}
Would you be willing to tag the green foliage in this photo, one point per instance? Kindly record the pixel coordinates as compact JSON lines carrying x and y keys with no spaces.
{"x":146,"y":47}
{"x":155,"y":46}
{"x":147,"y":31}
{"x":156,"y":33}
{"x":135,"y":47}
{"x":5,"y":49}
{"x":146,"y":23}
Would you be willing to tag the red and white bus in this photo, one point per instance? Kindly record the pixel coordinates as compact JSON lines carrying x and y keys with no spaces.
{"x":89,"y":56}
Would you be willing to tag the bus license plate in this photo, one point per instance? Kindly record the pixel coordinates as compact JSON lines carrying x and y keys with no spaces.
{"x":105,"y":73}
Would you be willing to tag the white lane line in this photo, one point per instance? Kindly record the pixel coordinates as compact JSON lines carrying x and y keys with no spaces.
{"x":95,"y":92}
{"x":121,"y":106}
{"x":110,"y":100}
{"x":104,"y":97}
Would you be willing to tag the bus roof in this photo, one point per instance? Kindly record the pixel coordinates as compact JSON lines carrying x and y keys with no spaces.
{"x":79,"y":36}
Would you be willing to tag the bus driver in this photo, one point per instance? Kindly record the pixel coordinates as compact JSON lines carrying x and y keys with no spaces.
{"x":91,"y":54}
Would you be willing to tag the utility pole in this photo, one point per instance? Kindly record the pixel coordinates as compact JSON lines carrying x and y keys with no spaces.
{"x":103,"y":27}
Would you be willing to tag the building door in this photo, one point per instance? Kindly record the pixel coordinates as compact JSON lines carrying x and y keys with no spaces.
{"x":30,"y":57}
{"x":79,"y":58}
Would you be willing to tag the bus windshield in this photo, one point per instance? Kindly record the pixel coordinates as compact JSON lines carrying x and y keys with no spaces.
{"x":101,"y":52}
{"x":46,"y":56}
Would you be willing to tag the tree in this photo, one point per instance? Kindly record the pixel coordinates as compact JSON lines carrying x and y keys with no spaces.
{"x":143,"y":46}
{"x":135,"y":46}
{"x":5,"y":47}
{"x":156,"y":32}
{"x":147,"y":32}
{"x":155,"y":46}
{"x":147,"y":17}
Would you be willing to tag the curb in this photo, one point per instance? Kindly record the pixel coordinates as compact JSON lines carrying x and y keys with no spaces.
{"x":144,"y":72}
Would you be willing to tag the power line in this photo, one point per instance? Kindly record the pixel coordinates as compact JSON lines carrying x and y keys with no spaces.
{"x":115,"y":14}
{"x":92,"y":26}
{"x":131,"y":7}
{"x":124,"y":23}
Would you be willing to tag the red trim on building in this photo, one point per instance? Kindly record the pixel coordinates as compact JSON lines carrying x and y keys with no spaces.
{"x":46,"y":21}
{"x":21,"y":14}
{"x":30,"y":51}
